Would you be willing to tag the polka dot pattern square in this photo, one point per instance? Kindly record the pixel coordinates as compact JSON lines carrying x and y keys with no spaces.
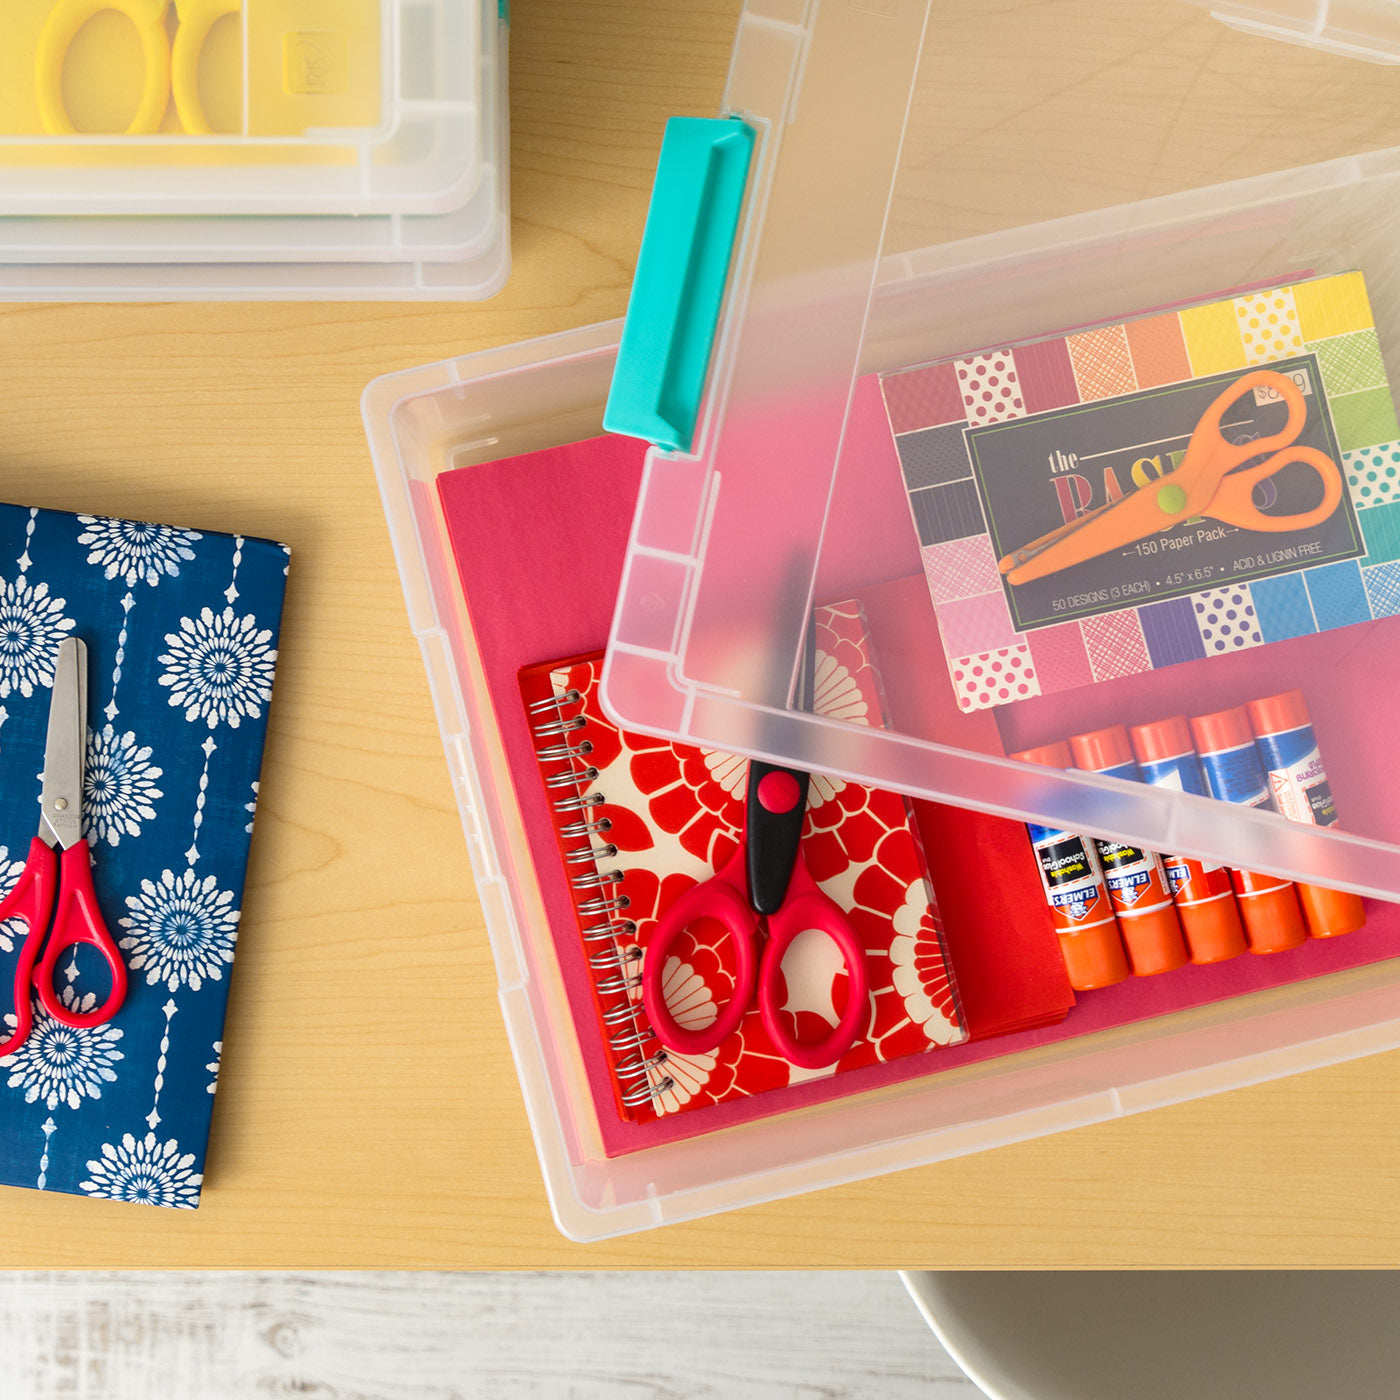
{"x":1269,"y":326}
{"x":990,"y":387}
{"x":1226,"y":619}
{"x":1373,"y":474}
{"x":994,"y":678}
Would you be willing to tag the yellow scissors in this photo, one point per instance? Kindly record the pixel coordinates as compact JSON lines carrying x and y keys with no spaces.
{"x":1206,"y":483}
{"x":172,"y":69}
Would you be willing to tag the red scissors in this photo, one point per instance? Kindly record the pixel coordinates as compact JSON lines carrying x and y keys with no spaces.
{"x":764,"y":883}
{"x":54,"y":887}
{"x":1207,"y":482}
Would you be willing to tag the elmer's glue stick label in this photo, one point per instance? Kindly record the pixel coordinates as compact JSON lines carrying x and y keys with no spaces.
{"x":1137,"y":881}
{"x":1204,"y":892}
{"x":1076,"y":893}
{"x":1230,"y":764}
{"x":1299,"y":790}
{"x":1079,"y":902}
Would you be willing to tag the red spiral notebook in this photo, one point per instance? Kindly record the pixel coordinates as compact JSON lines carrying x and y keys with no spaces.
{"x":675,"y":813}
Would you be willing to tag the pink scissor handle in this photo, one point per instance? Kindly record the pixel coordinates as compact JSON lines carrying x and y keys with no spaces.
{"x":77,"y":920}
{"x":806,"y":907}
{"x":30,"y":900}
{"x":723,"y":898}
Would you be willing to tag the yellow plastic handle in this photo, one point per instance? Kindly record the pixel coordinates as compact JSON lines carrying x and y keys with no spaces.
{"x":64,"y":21}
{"x":197,"y":18}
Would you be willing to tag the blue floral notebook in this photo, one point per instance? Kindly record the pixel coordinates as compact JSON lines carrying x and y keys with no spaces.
{"x":181,"y":631}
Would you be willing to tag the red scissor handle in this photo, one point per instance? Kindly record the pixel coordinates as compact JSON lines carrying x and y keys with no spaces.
{"x":32,"y":901}
{"x":723,"y":898}
{"x":806,"y":907}
{"x":77,"y":920}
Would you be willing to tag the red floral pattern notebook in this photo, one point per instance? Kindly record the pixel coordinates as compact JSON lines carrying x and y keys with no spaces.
{"x":675,"y":814}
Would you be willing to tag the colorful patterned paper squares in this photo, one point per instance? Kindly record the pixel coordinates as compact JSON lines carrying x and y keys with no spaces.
{"x":1116,"y":645}
{"x":1046,"y":375}
{"x":1226,"y":619}
{"x":1102,"y":364}
{"x":1212,"y":335}
{"x":960,"y":568}
{"x":1382,"y":584}
{"x":990,"y":387}
{"x":1338,"y":596}
{"x":1268,"y":325}
{"x":1364,"y":419}
{"x":922,"y":398}
{"x":1282,"y":607}
{"x":1158,"y":350}
{"x":1170,"y":631}
{"x":981,"y":623}
{"x":949,"y":512}
{"x":1373,"y":474}
{"x":1061,"y":657}
{"x":1350,"y":362}
{"x":994,"y":678}
{"x":933,"y":456}
{"x":1332,"y":306}
{"x":1380,"y":528}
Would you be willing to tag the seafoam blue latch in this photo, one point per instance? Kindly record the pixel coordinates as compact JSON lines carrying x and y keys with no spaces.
{"x":673,"y":313}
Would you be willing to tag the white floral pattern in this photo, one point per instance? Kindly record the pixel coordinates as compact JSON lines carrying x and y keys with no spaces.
{"x":119,"y":786}
{"x":12,"y":930}
{"x":219,"y":667}
{"x":145,"y":1171}
{"x":134,"y":550}
{"x":59,"y":1064}
{"x":214,"y":1064}
{"x":180,"y":930}
{"x":32,"y":625}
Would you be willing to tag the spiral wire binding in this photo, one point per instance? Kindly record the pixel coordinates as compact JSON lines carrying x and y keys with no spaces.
{"x":614,"y":963}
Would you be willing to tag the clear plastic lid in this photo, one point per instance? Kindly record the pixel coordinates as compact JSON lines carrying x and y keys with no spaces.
{"x":884,"y":280}
{"x":243,"y":106}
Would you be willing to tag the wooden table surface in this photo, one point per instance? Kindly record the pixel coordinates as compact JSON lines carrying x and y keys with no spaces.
{"x":368,"y":1114}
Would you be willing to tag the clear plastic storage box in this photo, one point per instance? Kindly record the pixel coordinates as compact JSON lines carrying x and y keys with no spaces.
{"x":882,"y":228}
{"x":294,"y":227}
{"x":312,"y":106}
{"x":833,"y":281}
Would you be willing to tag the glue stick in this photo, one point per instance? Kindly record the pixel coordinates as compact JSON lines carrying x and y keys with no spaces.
{"x":1230,"y":762}
{"x":1204,"y":893}
{"x":1137,"y":883}
{"x":1076,"y":893}
{"x":1299,"y":790}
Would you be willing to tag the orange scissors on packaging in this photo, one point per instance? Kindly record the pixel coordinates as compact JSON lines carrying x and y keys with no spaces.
{"x":1206,"y":483}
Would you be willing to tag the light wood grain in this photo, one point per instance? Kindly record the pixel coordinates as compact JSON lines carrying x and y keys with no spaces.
{"x":718,"y":1336}
{"x":368,"y":1114}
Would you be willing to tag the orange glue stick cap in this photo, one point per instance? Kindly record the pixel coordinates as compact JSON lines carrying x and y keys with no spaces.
{"x":1225,"y":729}
{"x":1162,"y":739}
{"x":1056,"y":755}
{"x":1101,"y":749}
{"x":1277,"y":714}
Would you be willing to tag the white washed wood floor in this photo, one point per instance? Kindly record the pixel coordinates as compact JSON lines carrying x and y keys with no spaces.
{"x":375,"y":1336}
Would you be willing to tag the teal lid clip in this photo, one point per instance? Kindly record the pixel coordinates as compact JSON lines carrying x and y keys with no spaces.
{"x":673,"y":313}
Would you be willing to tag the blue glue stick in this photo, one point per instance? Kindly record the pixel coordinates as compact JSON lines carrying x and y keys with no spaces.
{"x":1299,"y":790}
{"x":1230,"y":765}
